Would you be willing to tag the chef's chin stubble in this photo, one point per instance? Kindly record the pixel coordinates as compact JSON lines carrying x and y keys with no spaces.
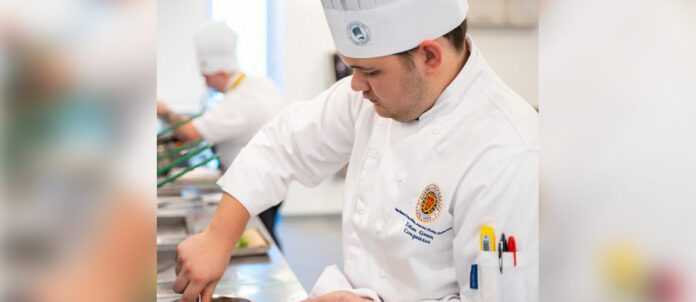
{"x":412,"y":102}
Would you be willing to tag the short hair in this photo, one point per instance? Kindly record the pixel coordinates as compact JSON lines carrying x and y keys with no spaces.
{"x":457,"y":37}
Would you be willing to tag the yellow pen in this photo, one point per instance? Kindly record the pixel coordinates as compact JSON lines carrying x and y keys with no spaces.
{"x":487,"y":238}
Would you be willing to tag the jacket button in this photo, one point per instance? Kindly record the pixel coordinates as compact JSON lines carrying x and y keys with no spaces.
{"x":437,"y":130}
{"x":360,"y":208}
{"x":351,"y":254}
{"x":401,"y":177}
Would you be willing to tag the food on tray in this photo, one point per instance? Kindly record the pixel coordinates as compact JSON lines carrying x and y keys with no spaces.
{"x":243,"y":241}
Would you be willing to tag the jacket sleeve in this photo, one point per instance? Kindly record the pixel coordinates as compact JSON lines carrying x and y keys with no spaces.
{"x":241,"y":113}
{"x":505,"y":196}
{"x":224,"y":121}
{"x":306,"y":142}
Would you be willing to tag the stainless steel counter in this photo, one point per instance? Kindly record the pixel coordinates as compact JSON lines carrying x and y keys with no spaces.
{"x":257,"y":278}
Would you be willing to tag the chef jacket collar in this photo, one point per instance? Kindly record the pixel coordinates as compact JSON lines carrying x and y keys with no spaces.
{"x":458,"y":87}
{"x":233,"y":82}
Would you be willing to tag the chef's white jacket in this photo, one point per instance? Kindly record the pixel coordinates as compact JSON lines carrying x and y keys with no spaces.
{"x":417,"y":193}
{"x":232,"y":122}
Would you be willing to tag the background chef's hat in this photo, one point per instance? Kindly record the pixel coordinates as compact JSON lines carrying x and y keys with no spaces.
{"x":375,"y":28}
{"x":216,"y":48}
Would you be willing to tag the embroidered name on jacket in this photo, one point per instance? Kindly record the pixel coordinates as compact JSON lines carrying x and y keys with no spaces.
{"x":429,"y":204}
{"x":419,"y":232}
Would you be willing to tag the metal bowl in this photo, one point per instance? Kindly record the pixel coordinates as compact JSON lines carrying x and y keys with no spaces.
{"x":229,"y":299}
{"x":224,"y":299}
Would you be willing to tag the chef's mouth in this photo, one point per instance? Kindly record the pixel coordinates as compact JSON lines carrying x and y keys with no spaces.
{"x":371,"y":99}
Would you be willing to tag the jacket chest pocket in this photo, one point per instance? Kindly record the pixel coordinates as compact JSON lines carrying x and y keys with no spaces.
{"x":500,"y":279}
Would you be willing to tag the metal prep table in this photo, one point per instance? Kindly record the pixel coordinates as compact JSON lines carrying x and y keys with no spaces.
{"x":257,"y":278}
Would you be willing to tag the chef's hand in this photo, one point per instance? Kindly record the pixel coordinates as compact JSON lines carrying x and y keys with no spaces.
{"x":341,"y":295}
{"x":200,"y":263}
{"x":202,"y":259}
{"x":162,"y":108}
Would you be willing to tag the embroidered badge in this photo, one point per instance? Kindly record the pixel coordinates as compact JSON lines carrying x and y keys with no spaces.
{"x":358,"y":33}
{"x":429,"y":204}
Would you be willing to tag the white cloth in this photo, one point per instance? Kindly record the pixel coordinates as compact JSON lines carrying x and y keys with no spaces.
{"x":233,"y":121}
{"x":332,"y":279}
{"x":478,"y":144}
{"x":375,"y":28}
{"x":216,"y":48}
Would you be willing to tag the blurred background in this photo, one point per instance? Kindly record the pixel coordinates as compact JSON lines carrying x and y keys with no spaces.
{"x":78,"y":81}
{"x":617,"y":143}
{"x":80,"y":203}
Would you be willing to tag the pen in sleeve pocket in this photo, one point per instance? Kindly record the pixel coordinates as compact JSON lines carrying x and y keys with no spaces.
{"x":500,"y":256}
{"x":512,"y":247}
{"x":504,"y":242}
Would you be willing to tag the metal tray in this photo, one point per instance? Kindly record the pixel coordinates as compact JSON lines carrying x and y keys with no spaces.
{"x":258,"y":244}
{"x":172,"y":228}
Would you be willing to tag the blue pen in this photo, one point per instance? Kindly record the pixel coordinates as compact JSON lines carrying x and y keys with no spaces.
{"x":473,"y":277}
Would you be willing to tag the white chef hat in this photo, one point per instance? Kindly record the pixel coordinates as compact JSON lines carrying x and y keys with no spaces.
{"x":375,"y":28}
{"x":216,"y":48}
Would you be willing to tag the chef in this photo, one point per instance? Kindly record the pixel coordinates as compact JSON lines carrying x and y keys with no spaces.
{"x":249,"y":102}
{"x":443,"y":157}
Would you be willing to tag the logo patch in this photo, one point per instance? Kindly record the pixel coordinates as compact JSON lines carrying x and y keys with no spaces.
{"x":358,"y":33}
{"x":429,"y":204}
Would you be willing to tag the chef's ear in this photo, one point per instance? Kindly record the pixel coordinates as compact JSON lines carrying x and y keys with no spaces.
{"x":431,"y":54}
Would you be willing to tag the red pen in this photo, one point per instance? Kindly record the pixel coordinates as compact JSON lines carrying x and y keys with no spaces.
{"x":512,"y":247}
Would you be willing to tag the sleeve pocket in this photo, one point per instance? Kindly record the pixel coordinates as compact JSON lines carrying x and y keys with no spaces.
{"x":508,"y":286}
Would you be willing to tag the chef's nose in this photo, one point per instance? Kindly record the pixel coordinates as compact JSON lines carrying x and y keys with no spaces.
{"x":359,"y":81}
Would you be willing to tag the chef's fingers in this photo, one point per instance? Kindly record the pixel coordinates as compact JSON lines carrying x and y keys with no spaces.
{"x":193,"y":289}
{"x":177,"y":267}
{"x":180,"y":284}
{"x":207,"y":294}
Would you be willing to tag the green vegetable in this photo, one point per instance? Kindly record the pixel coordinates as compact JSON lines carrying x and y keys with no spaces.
{"x":243,"y":242}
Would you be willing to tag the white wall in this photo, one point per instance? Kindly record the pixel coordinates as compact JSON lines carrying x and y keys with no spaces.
{"x":308,"y":71}
{"x":308,"y":50}
{"x":512,"y":53}
{"x":178,"y":79}
{"x":249,"y":20}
